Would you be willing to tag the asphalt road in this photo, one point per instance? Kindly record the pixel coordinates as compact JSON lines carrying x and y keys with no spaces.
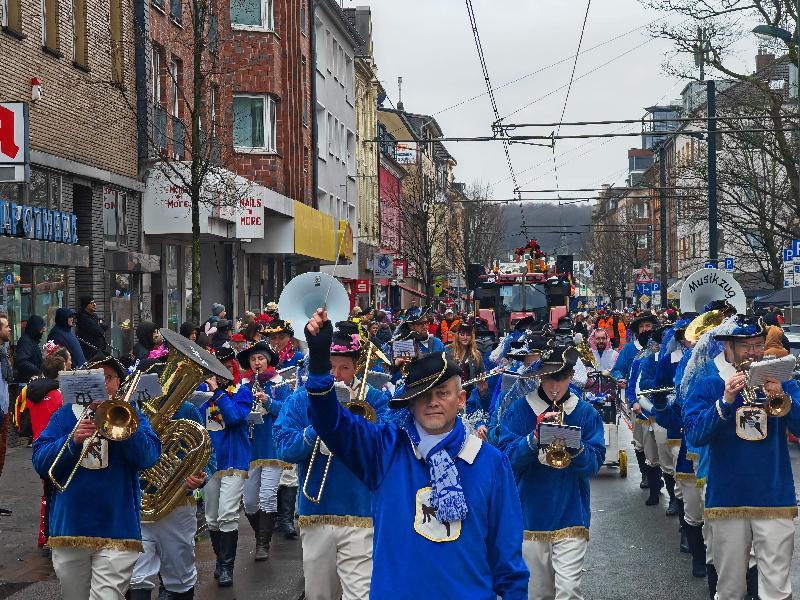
{"x":633,"y":551}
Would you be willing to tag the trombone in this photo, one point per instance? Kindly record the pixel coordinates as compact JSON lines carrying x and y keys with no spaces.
{"x":359,"y":407}
{"x":116,"y":420}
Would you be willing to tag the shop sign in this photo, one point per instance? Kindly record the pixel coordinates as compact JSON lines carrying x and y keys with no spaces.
{"x":250,"y":217}
{"x":13,"y":133}
{"x":406,"y":153}
{"x":345,"y":242}
{"x":38,"y":223}
{"x":362,"y":286}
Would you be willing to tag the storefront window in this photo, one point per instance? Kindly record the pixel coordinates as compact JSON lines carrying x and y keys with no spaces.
{"x":45,"y":190}
{"x":173,"y":291}
{"x":11,"y":192}
{"x":11,"y":297}
{"x":114,"y":206}
{"x":28,"y":290}
{"x":187,"y":279}
{"x":120,"y":322}
{"x":50,"y":287}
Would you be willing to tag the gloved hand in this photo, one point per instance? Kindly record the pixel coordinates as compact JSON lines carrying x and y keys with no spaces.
{"x":319,"y":336}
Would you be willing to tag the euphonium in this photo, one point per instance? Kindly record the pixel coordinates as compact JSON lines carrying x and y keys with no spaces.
{"x":116,"y":420}
{"x":185,"y":445}
{"x":557,"y":454}
{"x":358,"y":406}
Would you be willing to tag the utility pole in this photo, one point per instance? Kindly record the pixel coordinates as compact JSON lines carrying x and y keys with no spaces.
{"x":662,"y":217}
{"x":713,"y":233}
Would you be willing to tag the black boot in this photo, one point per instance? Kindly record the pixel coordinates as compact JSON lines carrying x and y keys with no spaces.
{"x":684,"y":545}
{"x":280,"y":522}
{"x":255,"y":523}
{"x":139,"y":594}
{"x":711,"y":575}
{"x":669,"y":483}
{"x":643,"y":469}
{"x":289,"y":505}
{"x":214,"y":536}
{"x":694,"y":535}
{"x":654,"y":479}
{"x":227,"y":556}
{"x":752,"y":583}
{"x":265,"y":529}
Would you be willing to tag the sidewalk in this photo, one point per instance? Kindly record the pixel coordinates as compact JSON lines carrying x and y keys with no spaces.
{"x":25,"y":574}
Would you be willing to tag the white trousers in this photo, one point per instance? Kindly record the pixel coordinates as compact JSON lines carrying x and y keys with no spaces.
{"x":650,"y":445}
{"x":222,"y":497}
{"x":692,"y":501}
{"x":169,"y":550}
{"x":289,"y":477}
{"x":337,"y":562}
{"x":261,"y":489}
{"x":772,"y":540}
{"x":556,"y":568}
{"x":666,"y":460}
{"x":93,"y":575}
{"x":638,"y":433}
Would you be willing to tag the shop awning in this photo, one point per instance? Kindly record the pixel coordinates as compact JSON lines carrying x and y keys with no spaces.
{"x":412,"y":291}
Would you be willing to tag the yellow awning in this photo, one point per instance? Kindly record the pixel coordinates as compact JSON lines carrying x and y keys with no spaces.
{"x":314,"y":233}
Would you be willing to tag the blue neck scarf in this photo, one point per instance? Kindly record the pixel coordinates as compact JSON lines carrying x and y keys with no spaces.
{"x":447,"y":496}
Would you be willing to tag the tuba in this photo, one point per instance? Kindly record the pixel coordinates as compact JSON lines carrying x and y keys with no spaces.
{"x":706,"y":285}
{"x":185,"y":444}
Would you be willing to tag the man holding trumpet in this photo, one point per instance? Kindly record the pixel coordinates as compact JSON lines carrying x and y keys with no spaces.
{"x":95,"y":532}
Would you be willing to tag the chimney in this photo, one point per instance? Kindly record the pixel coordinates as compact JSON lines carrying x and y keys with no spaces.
{"x":763,"y":59}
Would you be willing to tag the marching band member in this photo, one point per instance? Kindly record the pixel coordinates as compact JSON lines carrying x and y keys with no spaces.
{"x":95,"y":533}
{"x":555,"y":502}
{"x":225,"y":415}
{"x":622,"y":373}
{"x":169,"y":542}
{"x":750,"y":497}
{"x":336,"y":526}
{"x":263,"y":477}
{"x":666,"y":436}
{"x":430,"y":481}
{"x":281,"y":334}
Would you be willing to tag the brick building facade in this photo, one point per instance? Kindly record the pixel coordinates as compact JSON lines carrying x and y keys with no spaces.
{"x":83,"y":160}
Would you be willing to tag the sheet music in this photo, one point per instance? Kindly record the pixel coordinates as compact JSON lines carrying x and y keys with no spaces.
{"x":404,"y":349}
{"x":83,"y":387}
{"x":200,"y":398}
{"x":147,"y":388}
{"x":549,"y":432}
{"x":779,"y":369}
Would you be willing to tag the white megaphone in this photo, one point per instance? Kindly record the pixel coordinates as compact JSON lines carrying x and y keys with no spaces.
{"x":307,"y":292}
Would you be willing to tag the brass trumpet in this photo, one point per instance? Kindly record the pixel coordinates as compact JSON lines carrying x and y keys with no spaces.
{"x":557,"y":454}
{"x":776,"y":405}
{"x":116,"y":420}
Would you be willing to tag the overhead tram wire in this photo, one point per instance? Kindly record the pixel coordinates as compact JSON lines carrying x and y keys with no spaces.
{"x":540,"y":69}
{"x":485,"y":70}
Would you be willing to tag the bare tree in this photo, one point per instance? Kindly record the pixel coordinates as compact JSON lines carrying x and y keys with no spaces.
{"x":723,"y":24}
{"x":483,"y":227}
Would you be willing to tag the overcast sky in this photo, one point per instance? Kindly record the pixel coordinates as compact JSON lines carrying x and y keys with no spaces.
{"x":430,"y":44}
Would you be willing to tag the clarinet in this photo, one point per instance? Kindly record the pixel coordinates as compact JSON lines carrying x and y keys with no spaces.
{"x":254,"y":409}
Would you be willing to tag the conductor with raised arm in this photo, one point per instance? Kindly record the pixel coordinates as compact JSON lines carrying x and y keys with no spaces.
{"x":446,"y":512}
